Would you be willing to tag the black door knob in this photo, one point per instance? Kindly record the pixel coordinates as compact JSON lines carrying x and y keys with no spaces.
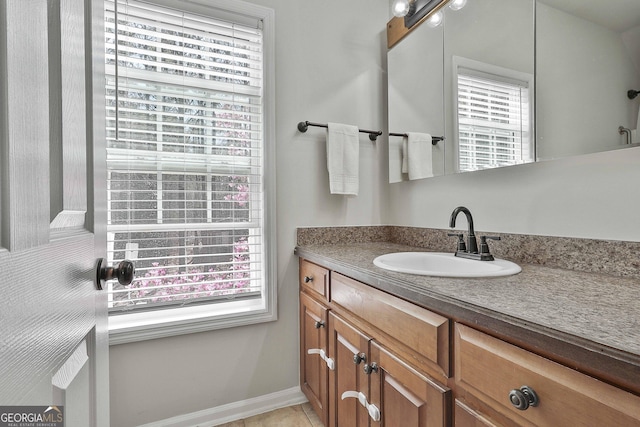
{"x":123,"y":272}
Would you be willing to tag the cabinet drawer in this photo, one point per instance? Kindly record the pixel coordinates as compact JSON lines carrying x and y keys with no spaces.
{"x":490,"y":369}
{"x":314,"y":278}
{"x":420,"y":330}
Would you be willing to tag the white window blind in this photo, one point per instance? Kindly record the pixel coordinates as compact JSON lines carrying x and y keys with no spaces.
{"x":184,"y":156}
{"x":493,"y":121}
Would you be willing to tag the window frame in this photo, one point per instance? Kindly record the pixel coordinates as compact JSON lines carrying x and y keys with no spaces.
{"x":501,"y":74}
{"x":165,"y":322}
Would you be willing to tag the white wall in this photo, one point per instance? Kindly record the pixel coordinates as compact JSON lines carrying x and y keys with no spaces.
{"x":330,"y":62}
{"x":591,"y":196}
{"x":582,"y":67}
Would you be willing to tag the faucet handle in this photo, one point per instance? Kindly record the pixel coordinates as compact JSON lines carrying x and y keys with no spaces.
{"x":484,"y":247}
{"x":462,"y":247}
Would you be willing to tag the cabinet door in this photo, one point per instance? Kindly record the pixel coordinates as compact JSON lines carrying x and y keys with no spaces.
{"x":405,"y":397}
{"x":313,"y":369}
{"x":345,"y":345}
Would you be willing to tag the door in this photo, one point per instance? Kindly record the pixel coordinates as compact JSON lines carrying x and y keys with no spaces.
{"x":348,"y":347}
{"x":53,"y":327}
{"x":314,"y":372}
{"x":406,"y":398}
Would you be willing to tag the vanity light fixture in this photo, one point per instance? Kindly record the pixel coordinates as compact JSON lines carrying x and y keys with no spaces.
{"x":435,"y":19}
{"x":402,"y":8}
{"x":457,"y":4}
{"x":414,"y":10}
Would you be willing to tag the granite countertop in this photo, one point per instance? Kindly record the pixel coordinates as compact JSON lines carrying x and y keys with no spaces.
{"x":597,"y":313}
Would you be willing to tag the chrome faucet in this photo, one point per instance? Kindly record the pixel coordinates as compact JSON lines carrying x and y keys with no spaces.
{"x":470,"y":249}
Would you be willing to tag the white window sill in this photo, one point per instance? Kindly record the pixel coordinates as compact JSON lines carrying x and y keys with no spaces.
{"x":133,"y":327}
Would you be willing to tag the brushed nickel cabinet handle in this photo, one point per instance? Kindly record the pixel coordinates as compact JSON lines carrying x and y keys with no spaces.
{"x":370,"y":368}
{"x":359,"y":358}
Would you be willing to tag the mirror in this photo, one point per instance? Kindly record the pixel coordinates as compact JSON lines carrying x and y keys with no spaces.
{"x":407,"y":111}
{"x":585,"y":56}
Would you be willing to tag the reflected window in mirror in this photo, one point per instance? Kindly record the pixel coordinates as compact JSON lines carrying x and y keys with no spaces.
{"x":493,"y":105}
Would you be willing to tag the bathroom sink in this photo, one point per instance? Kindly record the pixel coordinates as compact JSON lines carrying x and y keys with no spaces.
{"x":444,"y":265}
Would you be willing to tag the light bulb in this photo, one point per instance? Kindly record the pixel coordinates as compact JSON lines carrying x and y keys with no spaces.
{"x":457,"y":4}
{"x":435,"y":19}
{"x":401,"y":8}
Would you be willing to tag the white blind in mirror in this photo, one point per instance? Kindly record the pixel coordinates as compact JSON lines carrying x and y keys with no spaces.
{"x":493,"y":121}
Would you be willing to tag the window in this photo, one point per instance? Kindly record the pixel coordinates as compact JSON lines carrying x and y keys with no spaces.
{"x":188,"y":158}
{"x":493,"y":115}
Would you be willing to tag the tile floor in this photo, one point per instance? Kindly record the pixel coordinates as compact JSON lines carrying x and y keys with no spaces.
{"x":291,"y":416}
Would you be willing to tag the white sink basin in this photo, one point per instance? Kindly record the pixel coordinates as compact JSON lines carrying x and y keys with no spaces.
{"x":444,"y":265}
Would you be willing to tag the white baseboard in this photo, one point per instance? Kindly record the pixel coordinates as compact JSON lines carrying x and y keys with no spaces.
{"x":235,"y":411}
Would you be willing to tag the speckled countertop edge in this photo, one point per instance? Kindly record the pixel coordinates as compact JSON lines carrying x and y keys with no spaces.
{"x":599,"y":308}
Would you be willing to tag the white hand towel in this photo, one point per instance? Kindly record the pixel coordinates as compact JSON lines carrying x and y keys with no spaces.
{"x":405,"y":154}
{"x":418,"y":155}
{"x":343,"y":158}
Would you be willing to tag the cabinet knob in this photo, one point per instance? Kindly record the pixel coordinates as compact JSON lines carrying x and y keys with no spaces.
{"x":523,"y":397}
{"x":319,"y":324}
{"x":308,"y":279}
{"x":369,"y":368}
{"x":359,"y":357}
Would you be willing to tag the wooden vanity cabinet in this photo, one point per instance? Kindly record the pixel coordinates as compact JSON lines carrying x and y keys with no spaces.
{"x":381,"y":351}
{"x":394,"y":359}
{"x":371,"y":386}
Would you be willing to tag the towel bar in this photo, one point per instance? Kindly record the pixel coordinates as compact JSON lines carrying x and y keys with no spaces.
{"x":434,"y":139}
{"x":302,"y":127}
